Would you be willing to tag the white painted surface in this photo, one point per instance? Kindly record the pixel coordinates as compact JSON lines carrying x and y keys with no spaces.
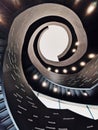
{"x":53,"y":42}
{"x":59,"y":104}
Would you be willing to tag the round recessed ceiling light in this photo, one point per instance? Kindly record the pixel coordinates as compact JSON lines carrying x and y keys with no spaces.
{"x":85,"y":94}
{"x":82,"y":63}
{"x":49,"y":68}
{"x":35,"y":77}
{"x":77,"y":43}
{"x":55,"y":89}
{"x":91,"y":8}
{"x":44,"y":84}
{"x":68,"y":93}
{"x":65,"y":71}
{"x":56,"y":70}
{"x":73,"y":68}
{"x":74,"y":50}
{"x":91,"y":56}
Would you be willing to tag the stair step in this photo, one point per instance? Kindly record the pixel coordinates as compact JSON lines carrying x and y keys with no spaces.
{"x":5,"y":119}
{"x":1,"y":100}
{"x":2,"y":105}
{"x":10,"y":126}
{"x":3,"y":109}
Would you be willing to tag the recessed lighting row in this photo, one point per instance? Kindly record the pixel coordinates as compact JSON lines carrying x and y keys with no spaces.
{"x":69,"y":93}
{"x":55,"y":89}
{"x":73,"y":68}
{"x":74,"y":49}
{"x":65,"y":71}
{"x":90,"y":56}
{"x":36,"y":77}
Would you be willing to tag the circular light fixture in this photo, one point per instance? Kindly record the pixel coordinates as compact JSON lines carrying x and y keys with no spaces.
{"x":49,"y":68}
{"x":74,"y":50}
{"x":85,"y":94}
{"x":77,"y":43}
{"x":55,"y":89}
{"x":73,"y":68}
{"x":56,"y":70}
{"x":65,"y":71}
{"x":35,"y":77}
{"x":91,"y":56}
{"x":91,"y":8}
{"x":44,"y":83}
{"x":82,"y":63}
{"x":68,"y":93}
